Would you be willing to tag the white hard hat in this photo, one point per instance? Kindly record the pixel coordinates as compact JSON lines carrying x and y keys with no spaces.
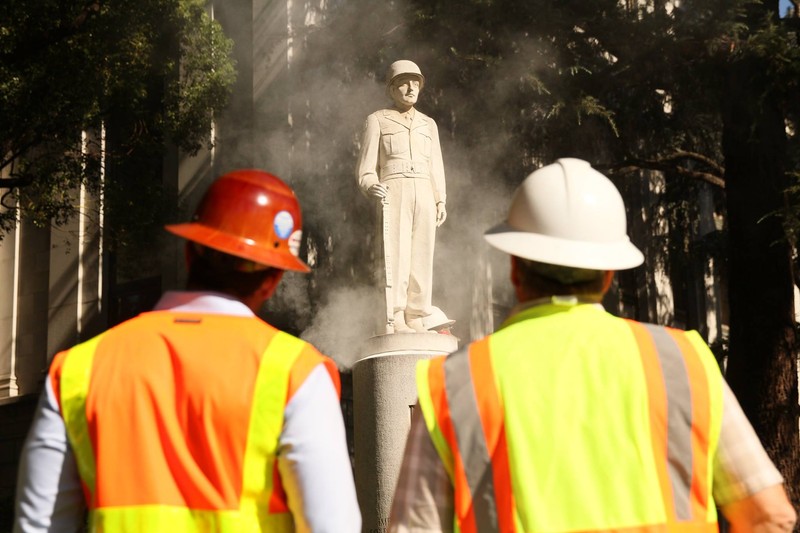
{"x":437,"y":320}
{"x":403,"y":66}
{"x":567,"y":214}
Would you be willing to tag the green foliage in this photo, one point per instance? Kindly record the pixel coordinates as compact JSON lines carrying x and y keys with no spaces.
{"x":150,"y":71}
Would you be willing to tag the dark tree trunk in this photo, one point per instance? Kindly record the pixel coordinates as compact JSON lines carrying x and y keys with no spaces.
{"x":762,"y":364}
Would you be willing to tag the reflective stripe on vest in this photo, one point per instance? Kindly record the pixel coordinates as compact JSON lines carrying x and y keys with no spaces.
{"x":259,"y":503}
{"x":463,"y":387}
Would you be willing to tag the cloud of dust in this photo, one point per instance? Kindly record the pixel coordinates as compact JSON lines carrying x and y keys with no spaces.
{"x":308,"y":120}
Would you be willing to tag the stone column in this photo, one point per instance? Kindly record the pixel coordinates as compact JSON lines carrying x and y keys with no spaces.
{"x":8,"y":300}
{"x":384,"y":393}
{"x":33,"y":315}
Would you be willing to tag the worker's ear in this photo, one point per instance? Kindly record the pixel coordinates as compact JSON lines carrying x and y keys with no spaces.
{"x":608,"y":277}
{"x":514,"y":271}
{"x":270,"y":284}
{"x":255,"y":300}
{"x":188,"y":255}
{"x":519,"y":289}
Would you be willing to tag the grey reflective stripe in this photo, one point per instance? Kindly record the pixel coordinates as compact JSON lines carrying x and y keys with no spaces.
{"x":471,"y":440}
{"x":679,"y":418}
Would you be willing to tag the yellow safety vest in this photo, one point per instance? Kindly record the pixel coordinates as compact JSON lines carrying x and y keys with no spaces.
{"x":571,"y":420}
{"x":174,"y":420}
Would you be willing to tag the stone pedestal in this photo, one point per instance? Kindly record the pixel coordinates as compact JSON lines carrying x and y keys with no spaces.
{"x":384,"y":393}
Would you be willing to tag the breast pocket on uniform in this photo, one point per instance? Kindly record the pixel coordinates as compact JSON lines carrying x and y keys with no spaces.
{"x":421,"y":142}
{"x":395,"y":140}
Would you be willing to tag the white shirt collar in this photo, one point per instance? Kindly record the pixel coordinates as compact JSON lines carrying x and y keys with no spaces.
{"x":568,"y":300}
{"x":202,"y":302}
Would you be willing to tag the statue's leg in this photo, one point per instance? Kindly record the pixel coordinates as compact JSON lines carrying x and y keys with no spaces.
{"x":421,"y":265}
{"x":401,"y":202}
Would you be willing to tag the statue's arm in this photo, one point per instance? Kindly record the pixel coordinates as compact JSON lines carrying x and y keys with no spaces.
{"x":437,"y":166}
{"x":367,"y":169}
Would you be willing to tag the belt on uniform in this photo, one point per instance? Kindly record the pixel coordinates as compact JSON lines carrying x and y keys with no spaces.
{"x":404,"y":176}
{"x":404,"y":167}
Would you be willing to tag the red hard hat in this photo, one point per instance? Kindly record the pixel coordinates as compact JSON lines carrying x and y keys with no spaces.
{"x":249,"y":214}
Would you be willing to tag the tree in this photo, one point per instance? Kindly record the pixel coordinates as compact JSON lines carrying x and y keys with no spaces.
{"x":763,"y":74}
{"x":136,"y":73}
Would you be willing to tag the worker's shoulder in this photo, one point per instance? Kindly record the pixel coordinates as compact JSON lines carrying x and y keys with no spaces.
{"x":691,"y":334}
{"x":299,"y":342}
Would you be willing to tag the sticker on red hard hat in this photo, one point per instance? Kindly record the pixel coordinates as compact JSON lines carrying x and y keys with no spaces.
{"x":283,"y":224}
{"x":294,"y":242}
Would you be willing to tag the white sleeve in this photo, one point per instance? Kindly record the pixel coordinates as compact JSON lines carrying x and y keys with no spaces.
{"x":313,"y":461}
{"x":49,"y":494}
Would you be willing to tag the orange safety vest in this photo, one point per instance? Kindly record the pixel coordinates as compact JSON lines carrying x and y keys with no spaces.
{"x":570,"y":419}
{"x":174,"y":420}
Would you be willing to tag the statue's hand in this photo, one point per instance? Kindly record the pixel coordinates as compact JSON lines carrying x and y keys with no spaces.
{"x":441,"y":214}
{"x":378,"y":190}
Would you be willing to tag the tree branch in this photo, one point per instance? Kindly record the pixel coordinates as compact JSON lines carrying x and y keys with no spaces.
{"x":11,"y":183}
{"x":671,"y":163}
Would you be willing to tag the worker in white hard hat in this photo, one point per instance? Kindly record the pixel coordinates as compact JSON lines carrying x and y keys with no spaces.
{"x":400,"y":165}
{"x":570,"y":419}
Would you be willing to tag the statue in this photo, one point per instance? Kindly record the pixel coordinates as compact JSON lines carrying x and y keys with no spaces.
{"x":401,"y":166}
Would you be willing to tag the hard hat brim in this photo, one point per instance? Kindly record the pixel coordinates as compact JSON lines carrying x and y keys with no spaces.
{"x":443,"y":325}
{"x":615,"y":255}
{"x":236,"y":246}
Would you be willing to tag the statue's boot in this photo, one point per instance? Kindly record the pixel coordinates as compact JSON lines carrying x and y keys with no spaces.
{"x":416,"y":324}
{"x":400,"y":325}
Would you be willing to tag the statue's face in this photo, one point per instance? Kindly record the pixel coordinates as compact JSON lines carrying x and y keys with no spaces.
{"x":404,"y":91}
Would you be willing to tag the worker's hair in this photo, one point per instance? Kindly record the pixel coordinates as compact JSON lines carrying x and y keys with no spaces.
{"x":221,"y":272}
{"x":556,"y":280}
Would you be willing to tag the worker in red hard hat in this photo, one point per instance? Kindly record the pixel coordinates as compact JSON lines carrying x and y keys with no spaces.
{"x":571,"y":419}
{"x":198,"y":415}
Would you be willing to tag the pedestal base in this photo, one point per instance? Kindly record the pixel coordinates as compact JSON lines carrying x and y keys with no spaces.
{"x":384,"y":394}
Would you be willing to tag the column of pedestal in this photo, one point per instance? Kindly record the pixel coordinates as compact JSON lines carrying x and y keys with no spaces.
{"x":384,"y":394}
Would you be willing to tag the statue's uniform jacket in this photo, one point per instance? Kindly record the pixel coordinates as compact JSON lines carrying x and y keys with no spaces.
{"x":402,"y":151}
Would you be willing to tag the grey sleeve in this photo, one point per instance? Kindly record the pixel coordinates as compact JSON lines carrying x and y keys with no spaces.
{"x":49,"y":493}
{"x":423,"y":497}
{"x":741,"y":465}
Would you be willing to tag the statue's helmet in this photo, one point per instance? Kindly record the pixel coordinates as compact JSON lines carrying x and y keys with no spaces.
{"x":401,"y":67}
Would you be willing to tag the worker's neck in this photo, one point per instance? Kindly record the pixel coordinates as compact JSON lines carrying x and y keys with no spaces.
{"x":529,"y":296}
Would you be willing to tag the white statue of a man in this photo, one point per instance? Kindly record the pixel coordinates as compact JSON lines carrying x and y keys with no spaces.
{"x":401,"y":165}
